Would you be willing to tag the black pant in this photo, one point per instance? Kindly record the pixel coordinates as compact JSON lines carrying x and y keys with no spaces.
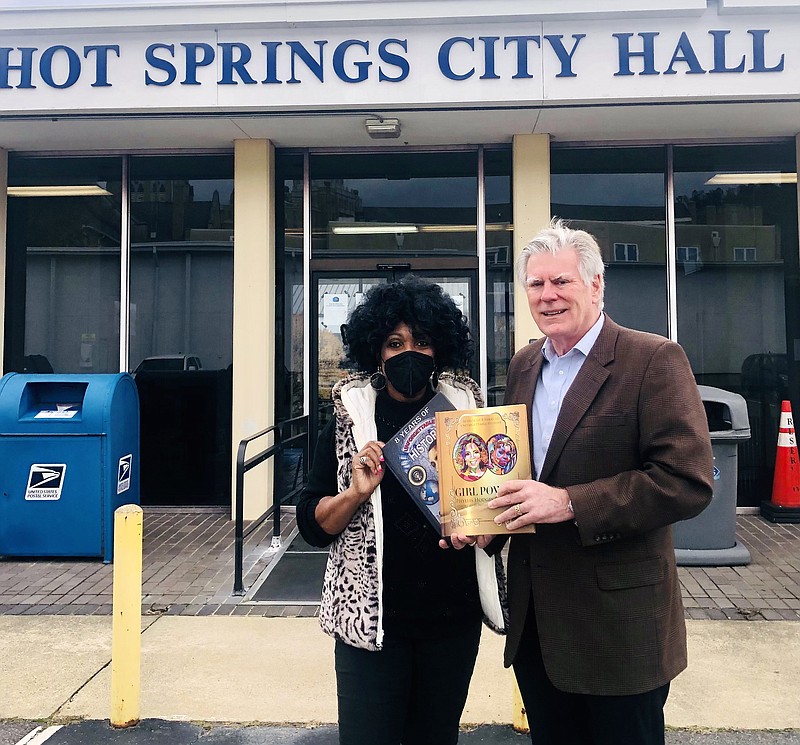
{"x":558,"y":718}
{"x":411,"y":692}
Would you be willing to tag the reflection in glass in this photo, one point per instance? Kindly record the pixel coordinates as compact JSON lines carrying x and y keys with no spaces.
{"x":181,"y":294}
{"x":617,"y":195}
{"x":736,"y":247}
{"x":182,"y":258}
{"x":499,"y":327}
{"x":289,"y":341}
{"x":63,"y":266}
{"x":394,"y":204}
{"x":336,"y":299}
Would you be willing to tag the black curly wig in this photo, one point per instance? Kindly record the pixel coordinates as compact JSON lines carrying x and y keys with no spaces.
{"x":424,"y":307}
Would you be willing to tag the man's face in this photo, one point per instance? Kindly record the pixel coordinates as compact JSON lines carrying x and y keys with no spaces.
{"x":561,"y":305}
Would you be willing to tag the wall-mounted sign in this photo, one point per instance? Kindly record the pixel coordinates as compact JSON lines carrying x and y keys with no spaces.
{"x":700,"y":57}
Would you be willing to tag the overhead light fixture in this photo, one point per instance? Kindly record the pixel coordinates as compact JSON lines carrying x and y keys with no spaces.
{"x":753,"y":178}
{"x":367,"y":229}
{"x":382,"y":129}
{"x":87,"y":190}
{"x":493,"y":227}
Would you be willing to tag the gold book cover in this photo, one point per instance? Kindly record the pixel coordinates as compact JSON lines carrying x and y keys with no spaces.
{"x":478,"y":450}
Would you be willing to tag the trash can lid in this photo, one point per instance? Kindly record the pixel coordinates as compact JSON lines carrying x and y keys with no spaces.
{"x":737,"y":409}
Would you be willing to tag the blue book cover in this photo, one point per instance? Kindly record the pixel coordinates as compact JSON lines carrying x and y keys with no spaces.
{"x":411,"y":456}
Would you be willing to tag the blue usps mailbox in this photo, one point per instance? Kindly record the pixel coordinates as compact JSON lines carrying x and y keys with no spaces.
{"x":69,"y":456}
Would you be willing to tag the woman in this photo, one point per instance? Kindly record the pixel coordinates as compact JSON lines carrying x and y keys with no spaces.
{"x":405,"y":614}
{"x":472,"y":458}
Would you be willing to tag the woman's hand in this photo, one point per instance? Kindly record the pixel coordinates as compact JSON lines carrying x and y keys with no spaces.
{"x":368,"y":470}
{"x":459,"y":541}
{"x":334,"y":513}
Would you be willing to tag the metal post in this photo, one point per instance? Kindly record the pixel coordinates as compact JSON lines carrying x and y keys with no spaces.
{"x":277,"y":493}
{"x":238,"y":579}
{"x":126,"y":628}
{"x":520,"y":719}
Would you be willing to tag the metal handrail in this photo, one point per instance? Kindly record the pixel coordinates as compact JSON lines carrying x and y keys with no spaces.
{"x":279,"y":445}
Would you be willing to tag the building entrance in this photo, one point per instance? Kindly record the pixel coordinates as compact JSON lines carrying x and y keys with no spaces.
{"x":337,"y":292}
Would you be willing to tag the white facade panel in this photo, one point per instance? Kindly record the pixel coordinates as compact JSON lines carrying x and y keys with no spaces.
{"x":749,"y":6}
{"x":18,"y":14}
{"x":472,"y":65}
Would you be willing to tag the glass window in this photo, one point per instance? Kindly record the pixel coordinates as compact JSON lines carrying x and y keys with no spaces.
{"x":182,"y":258}
{"x":499,"y":270}
{"x":617,"y":195}
{"x":626,"y":252}
{"x":289,"y":280}
{"x":63,"y":264}
{"x":735,"y":312}
{"x":181,"y":324}
{"x":686,"y":254}
{"x":741,"y":253}
{"x":394,"y":204}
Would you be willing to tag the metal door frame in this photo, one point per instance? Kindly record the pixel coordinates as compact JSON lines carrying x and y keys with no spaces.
{"x":382,"y":267}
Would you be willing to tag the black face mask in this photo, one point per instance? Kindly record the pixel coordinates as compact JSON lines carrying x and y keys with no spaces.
{"x":408,"y":372}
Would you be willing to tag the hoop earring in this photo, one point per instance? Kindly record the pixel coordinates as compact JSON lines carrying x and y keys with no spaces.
{"x":378,"y":380}
{"x":434,"y":379}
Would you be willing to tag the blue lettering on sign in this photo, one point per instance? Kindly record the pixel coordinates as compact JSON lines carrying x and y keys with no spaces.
{"x":717,"y":473}
{"x":235,"y":57}
{"x":49,"y":59}
{"x":354,"y":61}
{"x":684,"y":52}
{"x":362,"y":66}
{"x":315,"y":65}
{"x":444,"y":58}
{"x":160,"y":64}
{"x":395,"y":60}
{"x":521,"y":43}
{"x":564,"y":57}
{"x":197,"y":55}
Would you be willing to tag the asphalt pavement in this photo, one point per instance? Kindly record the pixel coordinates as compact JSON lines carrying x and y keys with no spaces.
{"x":224,"y":669}
{"x":162,"y":732}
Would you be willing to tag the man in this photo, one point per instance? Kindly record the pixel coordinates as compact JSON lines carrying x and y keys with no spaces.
{"x":621,"y":450}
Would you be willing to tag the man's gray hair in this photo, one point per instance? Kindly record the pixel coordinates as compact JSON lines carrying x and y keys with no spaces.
{"x":558,"y":237}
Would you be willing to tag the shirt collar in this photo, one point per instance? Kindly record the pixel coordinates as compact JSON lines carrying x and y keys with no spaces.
{"x":584,"y":345}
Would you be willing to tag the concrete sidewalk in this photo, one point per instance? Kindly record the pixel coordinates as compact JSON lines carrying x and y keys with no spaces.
{"x":742,"y":675}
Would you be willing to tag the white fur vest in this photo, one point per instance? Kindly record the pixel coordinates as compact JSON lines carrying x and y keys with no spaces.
{"x":352,"y":607}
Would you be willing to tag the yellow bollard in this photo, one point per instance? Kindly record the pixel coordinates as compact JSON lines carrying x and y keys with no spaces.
{"x":126,"y":629}
{"x":520,"y":720}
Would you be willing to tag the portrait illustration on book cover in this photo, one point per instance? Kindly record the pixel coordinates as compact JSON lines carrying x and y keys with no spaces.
{"x":412,"y":456}
{"x":478,"y":450}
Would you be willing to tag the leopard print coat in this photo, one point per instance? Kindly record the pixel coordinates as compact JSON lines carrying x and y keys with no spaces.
{"x":351,"y":607}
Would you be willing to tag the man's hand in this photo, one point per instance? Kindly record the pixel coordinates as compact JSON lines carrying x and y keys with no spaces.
{"x":530,"y":502}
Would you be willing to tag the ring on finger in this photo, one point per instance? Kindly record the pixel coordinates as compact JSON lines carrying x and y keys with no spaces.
{"x":363,"y":460}
{"x":517,"y":509}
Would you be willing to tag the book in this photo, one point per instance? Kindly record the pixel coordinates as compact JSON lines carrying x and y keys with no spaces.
{"x":478,"y":449}
{"x":410,"y":455}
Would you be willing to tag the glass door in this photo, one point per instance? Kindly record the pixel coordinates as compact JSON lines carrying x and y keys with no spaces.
{"x":337,"y":293}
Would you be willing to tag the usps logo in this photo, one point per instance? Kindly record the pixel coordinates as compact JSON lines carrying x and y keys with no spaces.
{"x":124,"y":473}
{"x":45,"y":482}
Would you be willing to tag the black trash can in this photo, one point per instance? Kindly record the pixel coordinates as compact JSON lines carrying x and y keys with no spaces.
{"x":709,"y":539}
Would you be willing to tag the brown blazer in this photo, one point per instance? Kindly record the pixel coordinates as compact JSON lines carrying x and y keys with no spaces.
{"x":632,"y":447}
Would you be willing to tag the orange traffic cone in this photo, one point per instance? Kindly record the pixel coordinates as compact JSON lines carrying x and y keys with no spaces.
{"x":785,"y":504}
